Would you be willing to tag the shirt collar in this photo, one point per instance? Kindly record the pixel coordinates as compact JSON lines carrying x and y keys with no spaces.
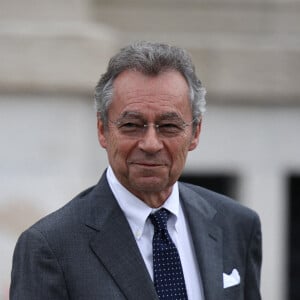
{"x":135,"y":210}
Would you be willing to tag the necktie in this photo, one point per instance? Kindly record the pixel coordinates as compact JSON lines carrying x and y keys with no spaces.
{"x":168,"y":275}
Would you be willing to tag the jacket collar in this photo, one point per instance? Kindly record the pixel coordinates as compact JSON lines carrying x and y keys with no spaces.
{"x":127,"y":266}
{"x":115,"y":246}
{"x":208,"y":241}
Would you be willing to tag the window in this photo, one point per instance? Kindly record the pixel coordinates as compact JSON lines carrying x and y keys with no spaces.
{"x":221,"y":183}
{"x":294,"y":237}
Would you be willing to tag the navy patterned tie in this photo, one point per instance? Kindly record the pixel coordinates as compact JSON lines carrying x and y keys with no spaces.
{"x":168,"y":276}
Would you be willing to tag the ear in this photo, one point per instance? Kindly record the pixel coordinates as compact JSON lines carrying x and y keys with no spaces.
{"x":101,"y":133}
{"x":195,"y":138}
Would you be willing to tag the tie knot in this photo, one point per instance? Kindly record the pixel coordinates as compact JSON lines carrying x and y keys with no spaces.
{"x":160,"y":218}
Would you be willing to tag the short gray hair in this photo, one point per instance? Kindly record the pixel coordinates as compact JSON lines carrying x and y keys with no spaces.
{"x":150,"y":59}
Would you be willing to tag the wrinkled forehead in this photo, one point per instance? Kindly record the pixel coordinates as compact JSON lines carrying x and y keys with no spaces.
{"x":170,"y":81}
{"x":134,"y":91}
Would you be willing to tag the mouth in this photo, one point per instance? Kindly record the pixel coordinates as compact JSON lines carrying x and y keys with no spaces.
{"x":147,"y":164}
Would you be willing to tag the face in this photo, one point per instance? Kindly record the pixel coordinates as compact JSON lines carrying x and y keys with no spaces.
{"x":148,"y":163}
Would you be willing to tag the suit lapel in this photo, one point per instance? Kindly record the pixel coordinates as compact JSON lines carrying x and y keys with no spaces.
{"x":116,"y":247}
{"x":208,"y":241}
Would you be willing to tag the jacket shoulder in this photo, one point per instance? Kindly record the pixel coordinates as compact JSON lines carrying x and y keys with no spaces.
{"x":224,"y":205}
{"x":66,"y":216}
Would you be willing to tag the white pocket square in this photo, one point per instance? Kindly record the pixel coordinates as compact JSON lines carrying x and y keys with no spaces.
{"x":231,"y":279}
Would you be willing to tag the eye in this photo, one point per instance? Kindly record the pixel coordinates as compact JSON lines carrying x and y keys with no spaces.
{"x":170,"y":128}
{"x":130,"y":126}
{"x":169,"y":125}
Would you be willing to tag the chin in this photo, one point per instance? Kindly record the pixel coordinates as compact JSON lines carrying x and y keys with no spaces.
{"x":150,"y":185}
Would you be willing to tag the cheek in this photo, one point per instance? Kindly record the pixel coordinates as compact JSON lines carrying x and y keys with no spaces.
{"x":179,"y":151}
{"x":118,"y":150}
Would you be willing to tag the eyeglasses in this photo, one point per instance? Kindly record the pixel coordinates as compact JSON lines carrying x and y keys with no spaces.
{"x":136,"y":128}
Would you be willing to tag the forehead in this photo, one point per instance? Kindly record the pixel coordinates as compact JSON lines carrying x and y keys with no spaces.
{"x":164,"y":93}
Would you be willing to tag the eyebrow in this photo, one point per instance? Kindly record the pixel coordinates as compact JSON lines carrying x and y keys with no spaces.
{"x":163,"y":116}
{"x":170,"y":116}
{"x":131,"y":114}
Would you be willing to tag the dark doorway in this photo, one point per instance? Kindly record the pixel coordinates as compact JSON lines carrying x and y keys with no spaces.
{"x":221,"y":183}
{"x":294,"y":237}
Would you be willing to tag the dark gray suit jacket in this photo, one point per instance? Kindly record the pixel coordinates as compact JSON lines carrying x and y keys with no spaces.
{"x":86,"y":250}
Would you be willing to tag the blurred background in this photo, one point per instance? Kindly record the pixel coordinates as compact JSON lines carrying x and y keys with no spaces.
{"x":247,"y":53}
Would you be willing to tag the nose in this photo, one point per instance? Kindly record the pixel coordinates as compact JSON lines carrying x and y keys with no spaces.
{"x":150,"y":142}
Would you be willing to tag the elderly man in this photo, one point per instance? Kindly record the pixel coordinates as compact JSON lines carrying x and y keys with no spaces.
{"x":139,"y":233}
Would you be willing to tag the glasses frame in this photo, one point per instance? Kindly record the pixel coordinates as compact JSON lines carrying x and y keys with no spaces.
{"x":140,"y":130}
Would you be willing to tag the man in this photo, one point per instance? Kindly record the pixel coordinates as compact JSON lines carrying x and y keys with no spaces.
{"x":111,"y":241}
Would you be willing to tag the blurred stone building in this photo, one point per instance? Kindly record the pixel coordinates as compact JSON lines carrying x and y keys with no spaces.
{"x":247,"y":53}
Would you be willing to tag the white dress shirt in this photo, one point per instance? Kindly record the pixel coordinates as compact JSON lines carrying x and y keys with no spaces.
{"x":137,"y":213}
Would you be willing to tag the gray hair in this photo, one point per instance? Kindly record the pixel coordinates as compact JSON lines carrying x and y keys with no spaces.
{"x":150,"y":59}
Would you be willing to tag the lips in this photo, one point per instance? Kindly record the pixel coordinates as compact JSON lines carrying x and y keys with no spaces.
{"x":148,"y":164}
{"x":148,"y":160}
